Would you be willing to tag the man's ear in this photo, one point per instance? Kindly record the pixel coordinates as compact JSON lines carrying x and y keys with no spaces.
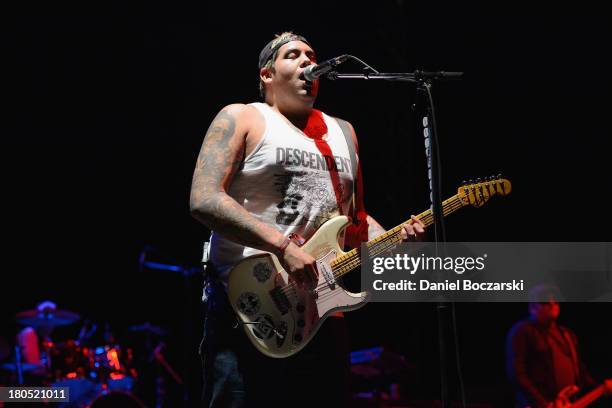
{"x":265,"y":74}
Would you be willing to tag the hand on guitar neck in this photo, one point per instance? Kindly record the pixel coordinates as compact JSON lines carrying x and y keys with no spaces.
{"x":413,"y":231}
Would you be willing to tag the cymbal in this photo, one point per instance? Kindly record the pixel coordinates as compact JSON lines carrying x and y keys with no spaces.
{"x":148,"y":328}
{"x":25,"y":367}
{"x":37,"y":318}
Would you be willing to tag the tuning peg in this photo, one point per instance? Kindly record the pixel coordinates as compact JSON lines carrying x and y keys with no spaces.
{"x":499,"y":176}
{"x":478,"y":180}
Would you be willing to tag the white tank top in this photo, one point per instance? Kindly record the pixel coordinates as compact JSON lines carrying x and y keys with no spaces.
{"x":285,"y":182}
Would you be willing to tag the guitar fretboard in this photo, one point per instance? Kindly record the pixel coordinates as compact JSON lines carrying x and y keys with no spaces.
{"x":352,"y":259}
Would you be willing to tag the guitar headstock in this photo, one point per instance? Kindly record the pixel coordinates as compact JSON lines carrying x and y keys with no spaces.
{"x":477,"y":192}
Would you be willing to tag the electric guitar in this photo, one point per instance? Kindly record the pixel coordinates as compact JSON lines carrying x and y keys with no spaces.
{"x":280,"y":318}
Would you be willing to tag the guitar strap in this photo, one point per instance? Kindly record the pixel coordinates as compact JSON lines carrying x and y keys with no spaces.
{"x":359,"y":228}
{"x":316,"y":128}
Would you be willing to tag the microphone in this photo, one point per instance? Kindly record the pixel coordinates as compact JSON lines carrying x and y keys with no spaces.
{"x":313,"y":72}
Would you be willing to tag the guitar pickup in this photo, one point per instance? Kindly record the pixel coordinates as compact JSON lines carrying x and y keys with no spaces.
{"x":324,"y":266}
{"x":280,"y":300}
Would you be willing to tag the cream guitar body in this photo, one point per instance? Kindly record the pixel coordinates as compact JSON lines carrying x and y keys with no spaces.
{"x":279,"y":317}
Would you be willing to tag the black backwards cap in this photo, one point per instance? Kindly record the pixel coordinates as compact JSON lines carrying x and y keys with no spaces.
{"x":269,"y":50}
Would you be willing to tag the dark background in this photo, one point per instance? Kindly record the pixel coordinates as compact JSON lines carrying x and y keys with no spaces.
{"x":105,"y":113}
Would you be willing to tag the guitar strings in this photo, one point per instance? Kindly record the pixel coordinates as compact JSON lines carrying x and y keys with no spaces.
{"x":389,"y":239}
{"x":350,"y":260}
{"x":346,"y":263}
{"x":427,"y":219}
{"x":382,"y":246}
{"x":354,"y":261}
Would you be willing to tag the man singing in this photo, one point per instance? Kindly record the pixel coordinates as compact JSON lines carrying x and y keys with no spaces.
{"x":267,"y":170}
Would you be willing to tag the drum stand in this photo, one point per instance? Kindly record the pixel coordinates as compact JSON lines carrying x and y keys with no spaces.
{"x":160,"y":382}
{"x":18,"y":365}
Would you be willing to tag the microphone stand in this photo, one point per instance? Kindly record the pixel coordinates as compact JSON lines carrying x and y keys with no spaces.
{"x":423,"y":81}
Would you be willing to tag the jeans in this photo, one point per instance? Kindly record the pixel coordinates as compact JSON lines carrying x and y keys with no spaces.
{"x":236,"y":374}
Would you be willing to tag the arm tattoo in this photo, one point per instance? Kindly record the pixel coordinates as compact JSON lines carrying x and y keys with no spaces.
{"x":220,"y":157}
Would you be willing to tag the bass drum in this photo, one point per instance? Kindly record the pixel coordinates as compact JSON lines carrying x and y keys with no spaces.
{"x":117,"y":399}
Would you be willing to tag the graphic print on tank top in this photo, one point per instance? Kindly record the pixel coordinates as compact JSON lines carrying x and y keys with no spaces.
{"x":308,"y":198}
{"x":306,"y":191}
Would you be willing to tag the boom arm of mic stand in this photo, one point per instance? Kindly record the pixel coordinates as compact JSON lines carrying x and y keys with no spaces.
{"x":416,"y":76}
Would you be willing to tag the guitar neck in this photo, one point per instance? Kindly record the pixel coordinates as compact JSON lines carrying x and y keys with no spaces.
{"x":352,"y":259}
{"x":590,"y":397}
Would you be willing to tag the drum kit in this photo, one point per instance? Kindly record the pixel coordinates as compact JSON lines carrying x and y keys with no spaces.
{"x":97,"y":375}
